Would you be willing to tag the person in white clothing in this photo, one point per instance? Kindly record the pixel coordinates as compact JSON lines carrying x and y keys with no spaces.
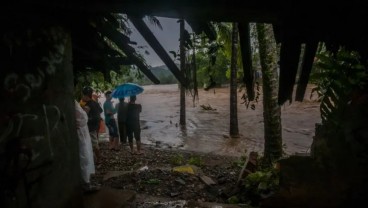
{"x":85,"y":147}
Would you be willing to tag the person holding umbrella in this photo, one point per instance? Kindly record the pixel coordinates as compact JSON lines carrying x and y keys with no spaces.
{"x":132,"y":112}
{"x":133,"y":124}
{"x":122,"y":108}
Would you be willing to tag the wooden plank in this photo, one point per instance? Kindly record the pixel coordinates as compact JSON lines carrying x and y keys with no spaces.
{"x":289,"y":61}
{"x":308,"y":59}
{"x":143,"y":29}
{"x":244,"y":35}
{"x":129,"y":51}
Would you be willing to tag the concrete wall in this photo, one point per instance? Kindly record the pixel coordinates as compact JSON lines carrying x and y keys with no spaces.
{"x":39,"y":160}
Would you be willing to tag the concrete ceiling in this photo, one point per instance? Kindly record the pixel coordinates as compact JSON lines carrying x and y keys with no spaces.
{"x":295,"y":22}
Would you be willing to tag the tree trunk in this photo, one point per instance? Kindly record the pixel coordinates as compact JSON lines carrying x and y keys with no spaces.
{"x":234,"y":130}
{"x":182,"y":68}
{"x":271,"y":109}
{"x":194,"y":71}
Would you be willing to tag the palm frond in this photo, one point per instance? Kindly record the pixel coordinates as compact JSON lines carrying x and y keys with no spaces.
{"x":340,"y":74}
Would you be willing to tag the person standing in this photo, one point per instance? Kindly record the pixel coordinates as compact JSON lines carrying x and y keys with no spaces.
{"x":85,"y":147}
{"x":122,"y":108}
{"x":110,"y":122}
{"x":133,"y":124}
{"x":93,"y":110}
{"x":101,"y":128}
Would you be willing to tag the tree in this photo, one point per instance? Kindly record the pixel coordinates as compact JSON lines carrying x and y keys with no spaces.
{"x":234,"y":130}
{"x":182,"y":120}
{"x":271,"y":108}
{"x":194,"y":70}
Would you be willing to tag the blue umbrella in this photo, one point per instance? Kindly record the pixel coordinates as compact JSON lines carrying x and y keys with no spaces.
{"x":126,"y":90}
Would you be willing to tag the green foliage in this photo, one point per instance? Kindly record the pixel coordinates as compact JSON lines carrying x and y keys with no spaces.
{"x":233,"y":200}
{"x":177,"y":159}
{"x":245,"y":98}
{"x":217,"y":71}
{"x":89,"y":78}
{"x":100,"y":82}
{"x":262,"y":182}
{"x":195,"y":160}
{"x":339,"y":75}
{"x":240,"y":162}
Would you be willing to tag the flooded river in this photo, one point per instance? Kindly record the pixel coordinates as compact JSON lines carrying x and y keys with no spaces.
{"x":207,"y":130}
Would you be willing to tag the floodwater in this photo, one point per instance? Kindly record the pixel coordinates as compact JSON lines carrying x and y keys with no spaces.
{"x":207,"y":130}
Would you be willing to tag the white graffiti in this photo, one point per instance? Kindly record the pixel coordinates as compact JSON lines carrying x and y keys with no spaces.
{"x":34,"y":81}
{"x":21,"y":117}
{"x":16,"y":124}
{"x":48,"y":130}
{"x":10,"y":129}
{"x":22,"y":85}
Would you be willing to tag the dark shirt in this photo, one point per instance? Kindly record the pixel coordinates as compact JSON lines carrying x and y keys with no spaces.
{"x":94,"y":115}
{"x":122,"y":112}
{"x":133,"y":115}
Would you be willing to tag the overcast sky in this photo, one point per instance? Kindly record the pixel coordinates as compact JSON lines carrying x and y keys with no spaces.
{"x":168,"y":37}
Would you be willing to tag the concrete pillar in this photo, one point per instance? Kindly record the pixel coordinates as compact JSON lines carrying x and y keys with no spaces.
{"x":39,"y":160}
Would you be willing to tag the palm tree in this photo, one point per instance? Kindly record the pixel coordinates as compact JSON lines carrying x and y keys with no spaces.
{"x":182,"y":120}
{"x":194,"y":70}
{"x":271,"y":108}
{"x":234,"y":130}
{"x":229,"y":40}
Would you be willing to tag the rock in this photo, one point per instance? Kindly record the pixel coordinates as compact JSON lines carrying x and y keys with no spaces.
{"x":174,"y":194}
{"x":143,"y":168}
{"x":207,"y":180}
{"x":181,"y":181}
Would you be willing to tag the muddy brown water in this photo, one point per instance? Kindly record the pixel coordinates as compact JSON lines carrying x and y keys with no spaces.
{"x":207,"y":130}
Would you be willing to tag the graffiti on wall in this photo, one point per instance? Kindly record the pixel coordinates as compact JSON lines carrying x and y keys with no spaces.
{"x":21,"y":85}
{"x":28,"y":152}
{"x":28,"y":127}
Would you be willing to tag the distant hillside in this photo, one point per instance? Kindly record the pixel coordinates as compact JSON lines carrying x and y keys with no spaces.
{"x":163,"y":74}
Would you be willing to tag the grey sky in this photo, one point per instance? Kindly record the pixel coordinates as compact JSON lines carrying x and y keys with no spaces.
{"x":168,"y":37}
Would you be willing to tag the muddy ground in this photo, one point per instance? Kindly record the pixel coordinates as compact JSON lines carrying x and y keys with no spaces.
{"x":152,"y":174}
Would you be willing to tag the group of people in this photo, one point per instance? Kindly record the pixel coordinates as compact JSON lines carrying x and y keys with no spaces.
{"x":127,"y":125}
{"x":88,"y":118}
